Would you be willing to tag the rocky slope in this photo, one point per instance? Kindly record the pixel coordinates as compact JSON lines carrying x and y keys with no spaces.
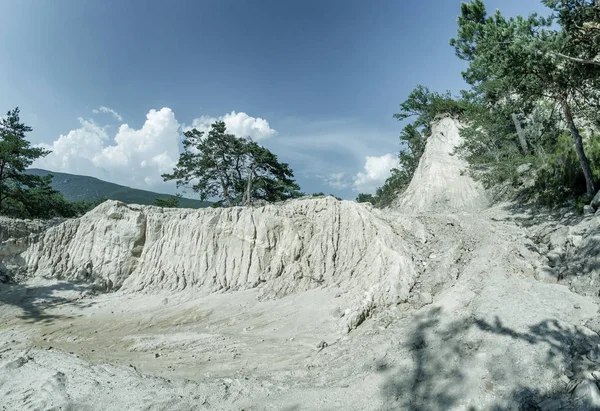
{"x":442,"y":303}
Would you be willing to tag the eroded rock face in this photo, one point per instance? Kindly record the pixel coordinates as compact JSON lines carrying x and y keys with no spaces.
{"x":16,"y":228}
{"x":15,"y":237}
{"x":440,"y":184}
{"x":286,"y":248}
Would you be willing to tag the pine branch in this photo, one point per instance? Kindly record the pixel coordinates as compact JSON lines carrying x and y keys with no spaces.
{"x":576,"y":59}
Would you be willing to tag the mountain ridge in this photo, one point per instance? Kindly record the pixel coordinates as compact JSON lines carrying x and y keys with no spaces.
{"x":75,"y":187}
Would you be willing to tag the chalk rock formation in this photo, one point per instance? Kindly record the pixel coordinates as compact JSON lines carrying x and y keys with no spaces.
{"x":285,"y":248}
{"x":440,"y":184}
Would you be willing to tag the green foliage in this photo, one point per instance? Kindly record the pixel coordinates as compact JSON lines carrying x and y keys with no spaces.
{"x":490,"y":144}
{"x":518,"y":62}
{"x":558,"y":175}
{"x":580,"y":21}
{"x":16,"y":154}
{"x":24,"y":195}
{"x":426,"y":105}
{"x":171,"y":202}
{"x":365,"y":198}
{"x":235,"y":170}
{"x":398,"y":180}
{"x":322,"y":194}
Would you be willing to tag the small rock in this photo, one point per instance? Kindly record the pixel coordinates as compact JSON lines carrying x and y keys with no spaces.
{"x":523,"y":168}
{"x":596,"y":375}
{"x":156,"y":355}
{"x":421,"y":300}
{"x":554,"y":258}
{"x":551,"y":404}
{"x":337,"y":313}
{"x":594,"y":354}
{"x":596,"y":201}
{"x":577,"y":306}
{"x":547,"y":274}
{"x":432,"y":256}
{"x":587,"y":393}
{"x":564,"y":379}
{"x":322,"y":345}
{"x":576,"y":240}
{"x":292,"y":339}
{"x":588,"y":210}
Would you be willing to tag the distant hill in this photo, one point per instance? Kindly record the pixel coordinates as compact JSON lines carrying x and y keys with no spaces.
{"x":75,"y":188}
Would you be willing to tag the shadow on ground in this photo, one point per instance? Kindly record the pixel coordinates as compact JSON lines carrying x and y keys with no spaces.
{"x":436,"y":378}
{"x":34,"y":300}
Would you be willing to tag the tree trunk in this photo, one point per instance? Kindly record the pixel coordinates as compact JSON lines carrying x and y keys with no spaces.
{"x":520,"y":133}
{"x":226,"y":193}
{"x":227,"y":198}
{"x":2,"y":165}
{"x":583,"y":160}
{"x":247,"y":195}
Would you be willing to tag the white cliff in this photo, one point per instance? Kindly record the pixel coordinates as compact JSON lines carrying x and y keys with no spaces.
{"x":284,"y":249}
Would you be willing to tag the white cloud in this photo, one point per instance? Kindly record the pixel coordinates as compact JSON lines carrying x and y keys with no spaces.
{"x":239,"y":124}
{"x":103,"y":109}
{"x":133,"y":157}
{"x":337,"y":181}
{"x":376,"y":171}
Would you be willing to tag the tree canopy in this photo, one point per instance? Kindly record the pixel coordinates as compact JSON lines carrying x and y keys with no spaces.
{"x":521,"y":61}
{"x":25,"y":195}
{"x":235,"y":170}
{"x":171,"y":202}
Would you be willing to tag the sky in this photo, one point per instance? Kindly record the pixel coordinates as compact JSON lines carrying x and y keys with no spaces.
{"x":109,"y":85}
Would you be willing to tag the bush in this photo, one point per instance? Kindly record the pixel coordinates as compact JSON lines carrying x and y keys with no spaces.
{"x":559,"y":177}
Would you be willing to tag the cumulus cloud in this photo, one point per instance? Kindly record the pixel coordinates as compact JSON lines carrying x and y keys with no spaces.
{"x":133,"y":157}
{"x":376,"y":171}
{"x":239,"y":124}
{"x":337,"y":181}
{"x":108,"y":110}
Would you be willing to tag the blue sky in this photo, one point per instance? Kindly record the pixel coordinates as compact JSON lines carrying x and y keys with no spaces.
{"x":108,"y":85}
